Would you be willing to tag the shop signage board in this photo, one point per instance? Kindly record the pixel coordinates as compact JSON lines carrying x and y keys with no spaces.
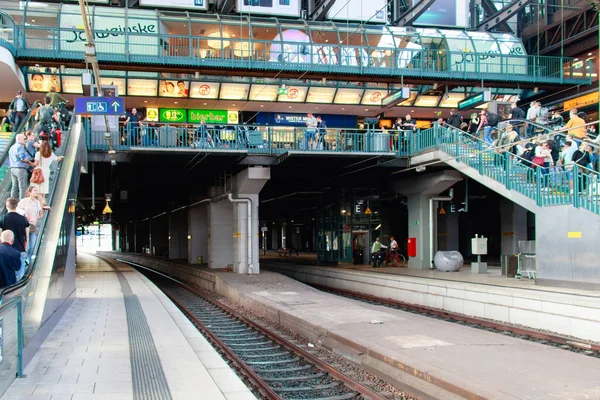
{"x":264,"y":92}
{"x":581,"y":101}
{"x":234,"y":91}
{"x":295,"y":94}
{"x":208,"y":116}
{"x":475,"y":100}
{"x":142,"y":87}
{"x":204,"y":90}
{"x":320,"y":95}
{"x":72,"y":84}
{"x":172,"y":115}
{"x":372,"y":97}
{"x":348,"y":96}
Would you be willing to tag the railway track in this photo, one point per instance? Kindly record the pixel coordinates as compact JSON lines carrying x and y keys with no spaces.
{"x":566,"y":343}
{"x":275,"y":367}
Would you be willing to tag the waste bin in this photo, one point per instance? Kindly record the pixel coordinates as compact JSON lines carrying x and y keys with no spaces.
{"x":448,"y":261}
{"x":510,"y":264}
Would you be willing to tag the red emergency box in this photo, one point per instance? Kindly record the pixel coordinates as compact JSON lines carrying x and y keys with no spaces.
{"x":412,"y":247}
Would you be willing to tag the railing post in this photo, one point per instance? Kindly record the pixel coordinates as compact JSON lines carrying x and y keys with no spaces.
{"x":538,"y":186}
{"x":480,"y":157}
{"x":19,"y":339}
{"x":508,"y":183}
{"x":576,"y":199}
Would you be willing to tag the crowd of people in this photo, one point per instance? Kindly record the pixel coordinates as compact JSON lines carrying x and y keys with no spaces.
{"x":30,"y":159}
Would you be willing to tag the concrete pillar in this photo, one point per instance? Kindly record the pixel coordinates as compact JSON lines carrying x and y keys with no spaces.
{"x":219,"y":234}
{"x":159,"y":235}
{"x":448,"y":230}
{"x":419,"y":190}
{"x":513,"y":226}
{"x":178,"y":232}
{"x":197,"y":238}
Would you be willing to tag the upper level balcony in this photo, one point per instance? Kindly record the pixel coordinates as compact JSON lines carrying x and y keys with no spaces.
{"x":213,"y":44}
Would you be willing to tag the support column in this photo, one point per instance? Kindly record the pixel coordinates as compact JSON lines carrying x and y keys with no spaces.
{"x":178,"y":232}
{"x":159,"y":234}
{"x":421,"y":226}
{"x":196,"y":235}
{"x":448,"y":230}
{"x":219,"y":234}
{"x":513,"y":226}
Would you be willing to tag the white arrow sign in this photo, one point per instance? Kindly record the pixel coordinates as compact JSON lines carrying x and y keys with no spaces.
{"x":115,"y":105}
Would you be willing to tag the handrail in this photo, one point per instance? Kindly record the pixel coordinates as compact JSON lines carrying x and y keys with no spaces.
{"x":23,"y":281}
{"x":18,"y":130}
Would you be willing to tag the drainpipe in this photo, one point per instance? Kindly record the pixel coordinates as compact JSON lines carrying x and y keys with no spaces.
{"x":249,"y":203}
{"x":431,"y":216}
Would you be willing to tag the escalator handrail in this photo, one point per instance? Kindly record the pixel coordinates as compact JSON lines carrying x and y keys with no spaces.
{"x":19,"y":129}
{"x":42,"y":225}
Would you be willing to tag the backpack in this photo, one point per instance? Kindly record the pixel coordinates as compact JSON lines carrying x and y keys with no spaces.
{"x":492,"y":119}
{"x":46,"y":113}
{"x":55,"y":138}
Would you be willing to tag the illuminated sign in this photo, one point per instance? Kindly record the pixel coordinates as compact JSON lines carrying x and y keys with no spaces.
{"x":348,"y":96}
{"x":72,"y":84}
{"x":172,"y":88}
{"x":320,"y":95}
{"x":172,"y":115}
{"x":204,"y":90}
{"x":295,"y":94}
{"x":290,"y":8}
{"x":263,"y":92}
{"x":291,"y":119}
{"x":233,"y":117}
{"x":475,"y":100}
{"x":152,"y":114}
{"x":282,"y":90}
{"x":43,"y":83}
{"x":192,"y":5}
{"x":372,"y":97}
{"x":218,"y":117}
{"x":581,"y":101}
{"x":234,"y":91}
{"x":142,"y":87}
{"x":396,"y":97}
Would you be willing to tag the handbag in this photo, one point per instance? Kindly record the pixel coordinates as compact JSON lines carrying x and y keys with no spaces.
{"x":539,"y":160}
{"x":37,"y":177}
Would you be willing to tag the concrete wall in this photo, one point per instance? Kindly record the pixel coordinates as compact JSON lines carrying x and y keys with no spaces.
{"x":197,"y":231}
{"x":220,"y":238}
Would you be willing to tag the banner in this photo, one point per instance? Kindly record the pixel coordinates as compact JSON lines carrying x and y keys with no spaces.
{"x":192,"y":5}
{"x":295,"y":94}
{"x":174,"y":88}
{"x":43,"y":83}
{"x":263,"y":93}
{"x":348,"y":96}
{"x":320,"y":95}
{"x":172,"y":115}
{"x":72,"y":84}
{"x":204,"y":90}
{"x":234,"y":91}
{"x":142,"y":87}
{"x":289,"y":8}
{"x":217,"y":117}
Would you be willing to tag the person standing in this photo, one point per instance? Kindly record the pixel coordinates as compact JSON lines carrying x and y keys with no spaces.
{"x":31,"y":209}
{"x":9,"y":259}
{"x":20,"y":107}
{"x":311,"y":130}
{"x":133,"y":123}
{"x":43,"y":160}
{"x":375,"y":249}
{"x":19,"y":225}
{"x":55,"y":97}
{"x":576,"y":126}
{"x":454,"y":120}
{"x":19,"y":162}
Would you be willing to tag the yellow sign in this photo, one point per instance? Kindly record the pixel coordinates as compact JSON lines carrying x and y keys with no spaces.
{"x":581,"y":101}
{"x":237,"y":235}
{"x":232,"y":117}
{"x":152,"y":114}
{"x":442,"y":211}
{"x":107,"y":209}
{"x":574,"y":235}
{"x":368,"y":211}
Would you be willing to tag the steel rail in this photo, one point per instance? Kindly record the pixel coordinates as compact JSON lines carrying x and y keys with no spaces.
{"x":262,"y":386}
{"x":549,"y":337}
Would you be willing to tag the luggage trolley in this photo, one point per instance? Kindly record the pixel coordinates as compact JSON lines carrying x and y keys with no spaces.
{"x":527,"y":259}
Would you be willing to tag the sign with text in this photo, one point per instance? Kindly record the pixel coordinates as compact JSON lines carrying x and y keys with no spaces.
{"x":291,"y":119}
{"x":264,"y":92}
{"x":118,"y":82}
{"x":217,"y":117}
{"x":295,"y":94}
{"x":475,"y":100}
{"x":172,"y":88}
{"x":192,"y":5}
{"x":348,"y":96}
{"x":172,"y":115}
{"x":72,"y":84}
{"x":152,"y":114}
{"x":372,"y":97}
{"x":142,"y":87}
{"x":320,"y":95}
{"x":582,"y":101}
{"x":234,"y":91}
{"x":99,"y":106}
{"x":289,"y":8}
{"x":396,"y":97}
{"x":204,"y":90}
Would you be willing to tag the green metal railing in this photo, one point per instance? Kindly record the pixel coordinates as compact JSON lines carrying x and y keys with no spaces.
{"x":35,"y":42}
{"x":11,"y":328}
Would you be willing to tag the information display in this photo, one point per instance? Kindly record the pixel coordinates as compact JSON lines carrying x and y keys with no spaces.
{"x":348,"y":96}
{"x":289,"y":8}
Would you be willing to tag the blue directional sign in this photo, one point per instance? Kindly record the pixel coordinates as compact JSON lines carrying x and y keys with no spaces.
{"x":100,"y":105}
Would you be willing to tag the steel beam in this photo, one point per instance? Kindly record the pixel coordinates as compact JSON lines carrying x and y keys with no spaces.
{"x":321,"y":11}
{"x":503,"y":15}
{"x":489,"y":9}
{"x":411,"y":15}
{"x":226,"y":6}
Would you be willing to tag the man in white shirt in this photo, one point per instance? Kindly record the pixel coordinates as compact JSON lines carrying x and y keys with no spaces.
{"x":532,"y":115}
{"x":311,"y":130}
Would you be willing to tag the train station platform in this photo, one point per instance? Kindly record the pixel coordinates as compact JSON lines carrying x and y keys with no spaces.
{"x":436,"y":358}
{"x":122,"y":338}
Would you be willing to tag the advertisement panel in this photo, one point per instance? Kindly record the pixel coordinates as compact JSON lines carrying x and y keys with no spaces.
{"x":43,"y":83}
{"x":288,"y":8}
{"x":295,"y":94}
{"x":320,"y":95}
{"x":234,"y":91}
{"x":372,"y":97}
{"x":142,"y":87}
{"x":291,"y":119}
{"x":152,"y":114}
{"x":72,"y":84}
{"x":204,"y":90}
{"x":193,"y":5}
{"x":359,"y":10}
{"x":173,"y":88}
{"x":172,"y":115}
{"x":120,"y":83}
{"x":445,"y":13}
{"x":348,"y":96}
{"x":218,"y":117}
{"x":233,"y":117}
{"x":110,"y":26}
{"x":263,"y":92}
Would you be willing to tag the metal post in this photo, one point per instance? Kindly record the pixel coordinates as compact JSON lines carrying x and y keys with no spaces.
{"x":19,"y":339}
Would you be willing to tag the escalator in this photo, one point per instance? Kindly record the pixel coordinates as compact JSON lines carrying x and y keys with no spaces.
{"x":32,"y":306}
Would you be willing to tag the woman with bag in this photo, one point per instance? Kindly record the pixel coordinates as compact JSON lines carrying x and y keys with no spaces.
{"x":31,"y":209}
{"x":43,"y":160}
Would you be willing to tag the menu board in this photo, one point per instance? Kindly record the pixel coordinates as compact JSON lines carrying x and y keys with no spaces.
{"x":348,"y":96}
{"x":204,"y":90}
{"x":118,"y":82}
{"x":295,"y":94}
{"x":234,"y":91}
{"x":142,"y":87}
{"x":263,"y":92}
{"x":72,"y":84}
{"x":320,"y":95}
{"x":372,"y":97}
{"x":174,"y":88}
{"x":43,"y":83}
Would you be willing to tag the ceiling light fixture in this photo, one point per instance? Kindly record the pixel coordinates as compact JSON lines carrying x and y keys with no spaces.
{"x":176,"y":102}
{"x":205,"y":103}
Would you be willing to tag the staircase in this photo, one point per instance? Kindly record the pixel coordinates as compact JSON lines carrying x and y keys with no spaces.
{"x":506,"y":174}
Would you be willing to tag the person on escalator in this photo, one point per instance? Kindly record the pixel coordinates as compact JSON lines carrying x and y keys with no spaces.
{"x":10,"y":259}
{"x":19,"y":107}
{"x":19,"y":226}
{"x":44,"y":117}
{"x":31,"y":208}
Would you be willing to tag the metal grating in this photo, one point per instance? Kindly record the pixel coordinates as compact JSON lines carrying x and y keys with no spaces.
{"x":149,"y":380}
